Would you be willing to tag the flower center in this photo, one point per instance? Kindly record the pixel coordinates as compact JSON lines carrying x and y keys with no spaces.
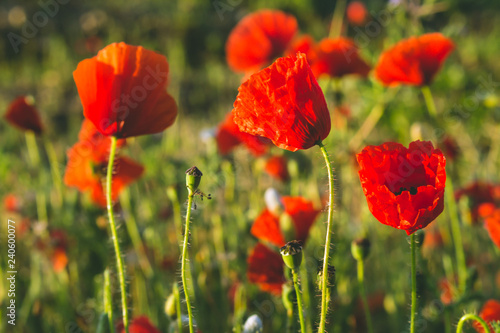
{"x":412,"y":190}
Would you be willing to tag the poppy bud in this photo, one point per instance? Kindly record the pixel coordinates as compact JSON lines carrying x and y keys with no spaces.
{"x":292,"y":254}
{"x":360,"y":248}
{"x":193,"y":178}
{"x":170,"y":308}
{"x":287,"y":226}
{"x":253,"y":325}
{"x":331,"y":276}
{"x":288,"y":296}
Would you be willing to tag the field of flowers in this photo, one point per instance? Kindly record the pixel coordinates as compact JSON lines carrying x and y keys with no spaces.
{"x":236,"y":166}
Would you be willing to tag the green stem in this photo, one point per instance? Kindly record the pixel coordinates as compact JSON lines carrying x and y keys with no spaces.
{"x":184,"y":257}
{"x":119,"y":260}
{"x":307,"y":297}
{"x":289,"y":320}
{"x":337,"y":19}
{"x":33,"y":152}
{"x":299,"y":300}
{"x":429,"y":101}
{"x":54,"y":167}
{"x":456,"y":231}
{"x":413,"y":282}
{"x":361,"y":283}
{"x":177,"y":298}
{"x":470,"y":316}
{"x":108,"y":301}
{"x":326,"y":258}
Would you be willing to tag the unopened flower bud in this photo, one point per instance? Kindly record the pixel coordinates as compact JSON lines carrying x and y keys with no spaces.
{"x":193,"y":178}
{"x":292,"y":254}
{"x":331,"y":276}
{"x":253,"y":325}
{"x":170,"y":308}
{"x":273,"y":201}
{"x":287,"y":226}
{"x":360,"y":248}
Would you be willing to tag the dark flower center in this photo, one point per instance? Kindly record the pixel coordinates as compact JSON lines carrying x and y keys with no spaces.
{"x":412,"y":190}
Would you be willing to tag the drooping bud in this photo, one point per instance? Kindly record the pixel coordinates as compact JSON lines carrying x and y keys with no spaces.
{"x":360,"y":248}
{"x":292,"y":254}
{"x":287,"y":226}
{"x":331,"y":276}
{"x":253,"y":325}
{"x":288,"y":296}
{"x":193,"y":178}
{"x":170,"y":307}
{"x":273,"y":201}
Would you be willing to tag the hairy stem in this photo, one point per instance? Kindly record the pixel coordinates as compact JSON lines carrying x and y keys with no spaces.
{"x":184,"y":258}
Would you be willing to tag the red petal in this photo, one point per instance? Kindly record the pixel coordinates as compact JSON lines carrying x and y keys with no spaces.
{"x":266,"y":227}
{"x":22,"y":114}
{"x":265,"y":268}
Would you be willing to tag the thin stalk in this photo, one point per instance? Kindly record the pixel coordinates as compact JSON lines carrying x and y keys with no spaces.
{"x":429,"y":101}
{"x":108,"y":301}
{"x":54,"y":167}
{"x":307,"y":297}
{"x":33,"y":152}
{"x":361,"y":283}
{"x":413,"y":282}
{"x":177,"y":298}
{"x":119,"y":260}
{"x":470,"y":316}
{"x":337,"y":19}
{"x":184,"y":257}
{"x":299,"y":300}
{"x":326,"y":258}
{"x":456,"y":231}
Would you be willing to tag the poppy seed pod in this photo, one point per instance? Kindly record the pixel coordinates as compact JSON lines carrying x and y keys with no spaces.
{"x":292,"y":254}
{"x":360,"y":248}
{"x":193,"y":178}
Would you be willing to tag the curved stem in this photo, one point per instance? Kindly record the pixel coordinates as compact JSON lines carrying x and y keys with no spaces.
{"x":470,"y":316}
{"x":429,"y":101}
{"x":413,"y":282}
{"x":114,"y":233}
{"x":299,"y":300}
{"x":361,"y":282}
{"x":326,"y":258}
{"x":184,"y":257}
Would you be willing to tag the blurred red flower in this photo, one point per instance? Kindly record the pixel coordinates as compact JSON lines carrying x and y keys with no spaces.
{"x":123,"y":91}
{"x":11,"y":203}
{"x":414,"y":61}
{"x":490,"y":312}
{"x":229,"y":136}
{"x":138,"y":325}
{"x":265,"y":268}
{"x":338,"y":57}
{"x":492,"y":225}
{"x":88,"y":160}
{"x":356,"y":13}
{"x":448,"y":293}
{"x":267,"y":225}
{"x":277,"y":167}
{"x":303,"y":44}
{"x":258,"y":39}
{"x":404,"y":187}
{"x":432,"y":240}
{"x":284,"y":103}
{"x":23,"y":114}
{"x":479,"y":193}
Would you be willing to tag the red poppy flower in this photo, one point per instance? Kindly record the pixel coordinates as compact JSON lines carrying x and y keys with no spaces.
{"x":356,"y":13}
{"x":276,"y":166}
{"x":138,"y":325}
{"x":23,"y":114}
{"x":303,"y":44}
{"x":338,"y":57}
{"x":490,"y":312}
{"x":478,"y":193}
{"x":86,"y":170}
{"x":11,"y":203}
{"x":285,"y":104}
{"x":123,"y":91}
{"x":267,"y":225}
{"x":492,"y":224}
{"x":404,"y":187}
{"x":258,"y":39}
{"x":265,"y":268}
{"x":414,"y":61}
{"x":229,"y":136}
